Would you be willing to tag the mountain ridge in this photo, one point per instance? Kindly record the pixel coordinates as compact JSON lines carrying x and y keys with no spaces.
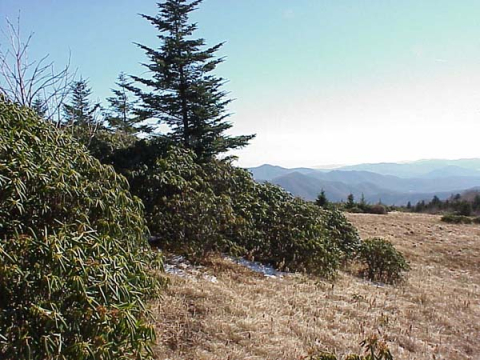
{"x":438,"y":177}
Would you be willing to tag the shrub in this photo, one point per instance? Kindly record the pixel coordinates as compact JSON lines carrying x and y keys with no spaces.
{"x":456,"y":219}
{"x":74,"y":266}
{"x":343,"y":232}
{"x":193,"y":207}
{"x":383,"y":262}
{"x":378,"y":209}
{"x":476,"y":220}
{"x":374,"y":349}
{"x":464,"y":208}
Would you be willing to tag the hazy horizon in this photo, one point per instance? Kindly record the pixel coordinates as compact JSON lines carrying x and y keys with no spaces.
{"x":334,"y":166}
{"x":319,"y":82}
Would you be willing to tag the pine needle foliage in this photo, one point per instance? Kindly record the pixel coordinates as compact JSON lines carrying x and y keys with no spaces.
{"x":74,"y":266}
{"x":120,"y":116}
{"x":182,"y":91}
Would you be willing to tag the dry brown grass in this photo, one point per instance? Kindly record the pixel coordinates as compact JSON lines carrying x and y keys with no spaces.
{"x":435,"y":314}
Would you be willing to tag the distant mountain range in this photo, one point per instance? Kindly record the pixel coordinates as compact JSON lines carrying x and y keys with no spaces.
{"x":390,"y":183}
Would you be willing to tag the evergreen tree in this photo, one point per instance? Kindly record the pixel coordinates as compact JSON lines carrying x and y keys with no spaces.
{"x":350,"y":201}
{"x":436,"y":202}
{"x":40,"y":107}
{"x":476,"y":202}
{"x":80,"y":111}
{"x":409,"y":205}
{"x":120,"y":113}
{"x":322,"y":200}
{"x":184,"y":93}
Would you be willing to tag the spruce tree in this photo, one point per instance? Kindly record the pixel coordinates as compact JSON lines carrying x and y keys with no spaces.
{"x":40,"y":107}
{"x":183,"y":91}
{"x":322,"y":200}
{"x":80,"y":111}
{"x":120,"y":113}
{"x":350,"y":201}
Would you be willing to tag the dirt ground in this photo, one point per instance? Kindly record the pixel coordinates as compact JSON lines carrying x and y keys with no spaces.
{"x":434,"y":314}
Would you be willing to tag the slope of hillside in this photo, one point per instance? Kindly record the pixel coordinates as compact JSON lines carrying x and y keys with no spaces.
{"x":243,"y":315}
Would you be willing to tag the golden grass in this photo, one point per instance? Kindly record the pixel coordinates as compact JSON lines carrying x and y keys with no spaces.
{"x":435,"y":314}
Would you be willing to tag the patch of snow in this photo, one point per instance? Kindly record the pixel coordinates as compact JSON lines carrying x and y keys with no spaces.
{"x":179,"y":266}
{"x":266,"y":270}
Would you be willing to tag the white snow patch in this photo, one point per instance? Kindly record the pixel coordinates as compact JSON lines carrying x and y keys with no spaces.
{"x":179,"y":266}
{"x":266,"y":270}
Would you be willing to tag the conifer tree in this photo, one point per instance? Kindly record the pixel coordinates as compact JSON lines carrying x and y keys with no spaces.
{"x":120,"y":113}
{"x":322,"y":200}
{"x":81,"y":115}
{"x":350,"y":201}
{"x":183,"y":91}
{"x":40,"y":107}
{"x":80,"y":111}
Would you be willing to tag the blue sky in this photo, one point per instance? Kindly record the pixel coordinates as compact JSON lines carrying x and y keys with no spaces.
{"x":319,"y":82}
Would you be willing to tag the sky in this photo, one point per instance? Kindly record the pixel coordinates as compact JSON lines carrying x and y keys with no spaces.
{"x":319,"y":82}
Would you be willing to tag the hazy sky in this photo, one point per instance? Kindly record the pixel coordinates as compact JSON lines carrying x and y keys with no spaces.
{"x":319,"y":82}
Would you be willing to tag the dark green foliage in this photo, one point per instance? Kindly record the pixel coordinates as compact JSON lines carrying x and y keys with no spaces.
{"x":466,"y":204}
{"x":194,"y":207}
{"x":119,"y":115}
{"x":345,"y":234}
{"x":464,"y":208}
{"x":456,"y":219}
{"x":40,"y":107}
{"x":183,"y":92}
{"x":81,"y":120}
{"x":74,"y":266}
{"x":383,"y":262}
{"x":80,"y":111}
{"x":363,"y":207}
{"x":476,"y":203}
{"x":350,"y":201}
{"x":321,"y":200}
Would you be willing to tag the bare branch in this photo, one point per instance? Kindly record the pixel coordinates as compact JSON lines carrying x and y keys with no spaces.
{"x":23,"y":81}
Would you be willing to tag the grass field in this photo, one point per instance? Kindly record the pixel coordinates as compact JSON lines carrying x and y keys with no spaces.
{"x":434,"y":314}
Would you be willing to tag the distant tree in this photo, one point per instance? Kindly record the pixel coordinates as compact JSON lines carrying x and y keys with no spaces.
{"x":322,"y":200}
{"x":119,"y":115}
{"x":476,"y":203}
{"x":420,"y":206}
{"x":81,"y":115}
{"x":80,"y":111}
{"x":362,"y":200}
{"x":363,"y":203}
{"x":436,"y":202}
{"x":464,"y":208}
{"x":40,"y":107}
{"x":350,"y":201}
{"x":409,"y":205}
{"x":183,"y":92}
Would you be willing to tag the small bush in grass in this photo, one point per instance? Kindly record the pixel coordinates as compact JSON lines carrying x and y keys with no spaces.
{"x":75,"y":268}
{"x":476,"y":220}
{"x":378,"y":209}
{"x":374,"y":349}
{"x":456,"y":219}
{"x":383,"y":262}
